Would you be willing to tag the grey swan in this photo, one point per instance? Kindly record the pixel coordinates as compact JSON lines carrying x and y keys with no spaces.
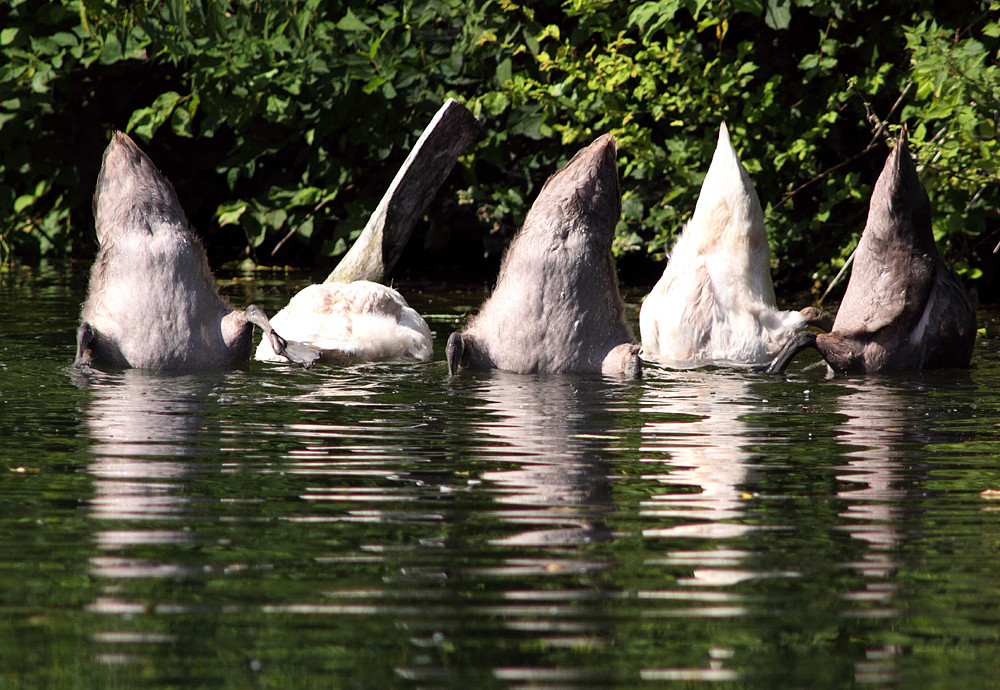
{"x":556,"y":307}
{"x":903,"y":308}
{"x":152,"y":301}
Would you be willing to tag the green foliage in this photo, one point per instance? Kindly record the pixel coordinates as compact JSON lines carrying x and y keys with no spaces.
{"x":34,"y":204}
{"x":281,"y":124}
{"x":957,"y":113}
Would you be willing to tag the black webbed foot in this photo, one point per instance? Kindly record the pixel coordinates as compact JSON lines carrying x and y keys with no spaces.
{"x":293,"y":351}
{"x":85,"y":335}
{"x":795,"y":344}
{"x":454,"y":351}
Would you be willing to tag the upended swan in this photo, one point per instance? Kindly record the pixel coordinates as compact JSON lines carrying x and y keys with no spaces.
{"x":903,"y":308}
{"x":715,"y":300}
{"x":152,"y":301}
{"x":556,"y":307}
{"x":352,"y":322}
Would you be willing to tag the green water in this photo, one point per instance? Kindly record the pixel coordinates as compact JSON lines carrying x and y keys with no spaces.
{"x":381,"y":525}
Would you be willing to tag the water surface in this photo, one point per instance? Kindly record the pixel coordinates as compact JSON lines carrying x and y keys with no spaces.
{"x":384,"y":525}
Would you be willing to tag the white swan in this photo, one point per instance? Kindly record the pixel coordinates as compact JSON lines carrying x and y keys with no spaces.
{"x":715,"y":300}
{"x":352,"y":322}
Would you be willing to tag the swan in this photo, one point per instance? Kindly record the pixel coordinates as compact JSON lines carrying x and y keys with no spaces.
{"x":556,"y":307}
{"x":903,"y":308}
{"x":715,"y":300}
{"x":152,"y":302}
{"x":352,"y":322}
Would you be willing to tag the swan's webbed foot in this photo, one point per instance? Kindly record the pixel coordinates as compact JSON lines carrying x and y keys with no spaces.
{"x":454,"y":351}
{"x":815,"y":316}
{"x":293,"y":351}
{"x":795,"y":344}
{"x":85,"y":335}
{"x":623,"y":360}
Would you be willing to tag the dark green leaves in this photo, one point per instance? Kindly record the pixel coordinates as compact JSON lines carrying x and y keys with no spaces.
{"x":283,"y":123}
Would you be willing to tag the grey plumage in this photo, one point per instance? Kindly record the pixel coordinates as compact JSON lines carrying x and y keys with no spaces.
{"x":152,"y":301}
{"x":556,"y":306}
{"x":903,"y":308}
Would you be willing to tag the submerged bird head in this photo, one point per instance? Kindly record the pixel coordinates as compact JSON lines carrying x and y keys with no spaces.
{"x":132,"y":195}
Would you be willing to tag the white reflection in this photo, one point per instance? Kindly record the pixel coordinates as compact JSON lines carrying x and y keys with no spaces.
{"x":695,"y":434}
{"x":145,"y":428}
{"x":144,"y":425}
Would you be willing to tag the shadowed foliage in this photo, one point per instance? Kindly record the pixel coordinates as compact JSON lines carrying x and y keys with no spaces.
{"x":283,"y":120}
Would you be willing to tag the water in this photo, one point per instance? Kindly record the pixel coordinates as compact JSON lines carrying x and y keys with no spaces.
{"x":383,"y":526}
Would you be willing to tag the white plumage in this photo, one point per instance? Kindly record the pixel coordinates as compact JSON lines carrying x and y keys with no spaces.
{"x":715,"y":300}
{"x":352,"y":322}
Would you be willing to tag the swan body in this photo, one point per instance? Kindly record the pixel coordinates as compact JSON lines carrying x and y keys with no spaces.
{"x":352,"y":322}
{"x":556,"y":307}
{"x":715,"y":300}
{"x":903,"y":308}
{"x":152,"y":301}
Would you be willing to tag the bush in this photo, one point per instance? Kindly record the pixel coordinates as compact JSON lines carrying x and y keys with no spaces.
{"x":281,"y":124}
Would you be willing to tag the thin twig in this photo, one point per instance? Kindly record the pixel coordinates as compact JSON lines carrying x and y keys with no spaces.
{"x":974,"y":199}
{"x":296,"y":228}
{"x":823,"y":174}
{"x":840,"y":275}
{"x":880,"y":127}
{"x":885,"y":123}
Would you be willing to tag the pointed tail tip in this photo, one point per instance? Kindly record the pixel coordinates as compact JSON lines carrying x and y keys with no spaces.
{"x":601,"y":152}
{"x":725,"y":142}
{"x":899,"y":158}
{"x":902,"y":145}
{"x":606,"y":141}
{"x":724,"y":134}
{"x":120,"y":138}
{"x":120,"y":144}
{"x":901,"y":149}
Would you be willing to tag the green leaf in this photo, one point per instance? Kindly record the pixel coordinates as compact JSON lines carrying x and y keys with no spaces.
{"x":22,"y":202}
{"x":504,"y":72}
{"x":779,"y":14}
{"x":145,"y":121}
{"x":230,"y":215}
{"x":351,"y":22}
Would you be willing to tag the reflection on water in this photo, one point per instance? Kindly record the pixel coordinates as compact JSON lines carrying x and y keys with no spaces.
{"x":144,"y":426}
{"x":873,"y":488}
{"x":385,"y":525}
{"x":548,"y":442}
{"x":694,"y":442}
{"x":884,"y":436}
{"x":696,"y":426}
{"x":694,"y":423}
{"x":877,"y":425}
{"x":550,"y":430}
